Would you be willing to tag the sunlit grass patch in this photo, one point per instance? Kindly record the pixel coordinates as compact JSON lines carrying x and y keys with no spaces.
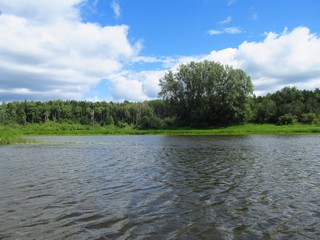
{"x":12,"y":134}
{"x":5,"y":140}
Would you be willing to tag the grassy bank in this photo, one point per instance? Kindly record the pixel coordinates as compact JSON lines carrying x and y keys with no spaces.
{"x":5,"y":140}
{"x":11,"y":133}
{"x":64,"y":129}
{"x":245,"y":129}
{"x":8,"y":136}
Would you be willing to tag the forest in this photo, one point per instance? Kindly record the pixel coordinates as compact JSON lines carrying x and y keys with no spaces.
{"x":198,"y":95}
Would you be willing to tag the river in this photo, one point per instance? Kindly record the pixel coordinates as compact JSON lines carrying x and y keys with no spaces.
{"x":161,"y":187}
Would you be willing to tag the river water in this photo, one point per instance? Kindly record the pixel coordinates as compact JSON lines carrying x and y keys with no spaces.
{"x":161,"y":187}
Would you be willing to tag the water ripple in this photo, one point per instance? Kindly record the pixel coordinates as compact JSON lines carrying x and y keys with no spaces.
{"x":161,"y":187}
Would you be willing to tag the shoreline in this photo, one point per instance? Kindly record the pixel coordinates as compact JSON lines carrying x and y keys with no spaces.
{"x":13,"y":134}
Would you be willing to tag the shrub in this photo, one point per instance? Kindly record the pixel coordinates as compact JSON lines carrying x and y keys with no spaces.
{"x":287,"y":119}
{"x":308,"y":118}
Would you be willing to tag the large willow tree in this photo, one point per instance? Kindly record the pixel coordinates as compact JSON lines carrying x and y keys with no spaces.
{"x":207,"y":93}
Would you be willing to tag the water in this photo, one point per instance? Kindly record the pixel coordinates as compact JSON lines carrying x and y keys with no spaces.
{"x":161,"y":187}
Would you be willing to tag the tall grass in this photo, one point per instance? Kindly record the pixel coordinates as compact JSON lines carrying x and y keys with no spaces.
{"x":245,"y":129}
{"x":4,"y":140}
{"x":10,"y":134}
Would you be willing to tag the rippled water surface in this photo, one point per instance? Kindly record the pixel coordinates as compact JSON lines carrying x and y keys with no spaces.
{"x":161,"y":187}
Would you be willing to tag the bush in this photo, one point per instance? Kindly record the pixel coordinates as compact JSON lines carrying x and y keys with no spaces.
{"x":169,"y":122}
{"x":287,"y":119}
{"x":120,"y":124}
{"x":308,"y":118}
{"x":150,"y":122}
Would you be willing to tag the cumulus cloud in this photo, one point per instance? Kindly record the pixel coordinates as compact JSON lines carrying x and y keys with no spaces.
{"x":151,"y":82}
{"x":124,"y":88}
{"x":289,"y":58}
{"x":225,"y":56}
{"x":42,"y":11}
{"x":286,"y":59}
{"x":46,"y":52}
{"x":135,"y":86}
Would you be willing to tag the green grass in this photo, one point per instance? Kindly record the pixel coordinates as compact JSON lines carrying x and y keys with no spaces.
{"x":63,"y":129}
{"x":14,"y":140}
{"x":245,"y":129}
{"x":8,"y":136}
{"x":269,"y":129}
{"x":13,"y":133}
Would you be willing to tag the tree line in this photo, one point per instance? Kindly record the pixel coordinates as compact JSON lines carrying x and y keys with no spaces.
{"x":144,"y":115}
{"x":287,"y":106}
{"x":198,"y":94}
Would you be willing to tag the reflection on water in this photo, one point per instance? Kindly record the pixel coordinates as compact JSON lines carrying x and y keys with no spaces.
{"x":161,"y":187}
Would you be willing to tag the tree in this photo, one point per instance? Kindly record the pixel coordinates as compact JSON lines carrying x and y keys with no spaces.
{"x":265,"y":110}
{"x":3,"y":112}
{"x":288,"y":100}
{"x":148,"y":119}
{"x":207,"y":93}
{"x":21,"y":114}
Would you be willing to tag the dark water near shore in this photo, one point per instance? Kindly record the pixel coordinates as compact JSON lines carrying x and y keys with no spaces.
{"x":161,"y":187}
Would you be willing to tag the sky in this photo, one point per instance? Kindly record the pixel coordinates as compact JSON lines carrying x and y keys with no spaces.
{"x":116,"y":50}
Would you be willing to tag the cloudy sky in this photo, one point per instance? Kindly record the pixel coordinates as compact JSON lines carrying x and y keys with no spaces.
{"x":117,"y":50}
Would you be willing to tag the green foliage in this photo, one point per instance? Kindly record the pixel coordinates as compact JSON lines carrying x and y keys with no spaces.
{"x":186,"y":103}
{"x":13,"y":132}
{"x":8,"y":136}
{"x":265,"y":110}
{"x":287,"y":119}
{"x":309,"y":118}
{"x":148,"y":119}
{"x":5,"y":140}
{"x":207,"y":93}
{"x":84,"y":113}
{"x":286,"y":106}
{"x":121,"y":124}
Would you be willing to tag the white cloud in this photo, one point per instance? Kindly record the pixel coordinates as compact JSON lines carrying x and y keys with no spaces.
{"x":150,"y":85}
{"x":55,"y":54}
{"x":226,"y":21}
{"x":47,"y":52}
{"x":116,"y":8}
{"x":125,"y":88}
{"x":135,"y":86}
{"x":233,"y":30}
{"x":225,"y":56}
{"x":286,"y":59}
{"x":229,"y":30}
{"x":42,"y":11}
{"x":290,"y":58}
{"x":215,"y":32}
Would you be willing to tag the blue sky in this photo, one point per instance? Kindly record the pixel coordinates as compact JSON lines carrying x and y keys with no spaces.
{"x":117,"y":50}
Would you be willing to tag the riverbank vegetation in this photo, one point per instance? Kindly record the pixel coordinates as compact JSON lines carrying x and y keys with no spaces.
{"x":200,"y":98}
{"x":8,"y":135}
{"x":5,"y":140}
{"x":65,"y":129}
